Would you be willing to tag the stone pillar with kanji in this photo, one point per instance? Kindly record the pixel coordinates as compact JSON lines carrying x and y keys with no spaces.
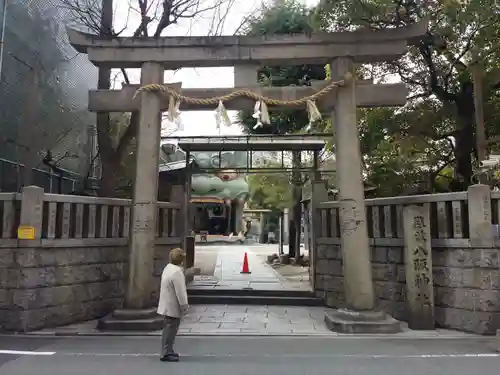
{"x":418,"y":267}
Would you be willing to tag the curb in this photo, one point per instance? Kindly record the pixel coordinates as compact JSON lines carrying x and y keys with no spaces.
{"x":331,"y":335}
{"x":158,"y":334}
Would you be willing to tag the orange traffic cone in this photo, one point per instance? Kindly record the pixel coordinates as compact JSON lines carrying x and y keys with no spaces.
{"x":245,"y":268}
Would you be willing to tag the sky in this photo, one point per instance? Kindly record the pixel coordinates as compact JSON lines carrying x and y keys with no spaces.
{"x":196,"y":122}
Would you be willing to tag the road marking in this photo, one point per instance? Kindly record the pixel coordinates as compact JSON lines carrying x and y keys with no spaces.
{"x":185,"y":336}
{"x":229,"y":355}
{"x":190,"y":336}
{"x":23,"y":352}
{"x":298,"y":356}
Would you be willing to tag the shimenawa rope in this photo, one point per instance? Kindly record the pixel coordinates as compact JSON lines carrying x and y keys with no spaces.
{"x":260,"y":111}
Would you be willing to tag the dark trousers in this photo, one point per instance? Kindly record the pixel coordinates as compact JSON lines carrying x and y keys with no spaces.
{"x":170,"y":328}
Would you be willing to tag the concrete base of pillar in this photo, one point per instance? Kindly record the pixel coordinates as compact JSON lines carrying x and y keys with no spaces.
{"x":348,"y":321}
{"x":144,"y":320}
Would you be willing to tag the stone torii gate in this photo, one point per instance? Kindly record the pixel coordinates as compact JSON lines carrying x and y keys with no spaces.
{"x":342,"y":50}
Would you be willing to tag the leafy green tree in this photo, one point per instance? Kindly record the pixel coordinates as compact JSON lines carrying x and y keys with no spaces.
{"x":270,"y":190}
{"x":282,"y":18}
{"x":396,"y":160}
{"x":416,"y":144}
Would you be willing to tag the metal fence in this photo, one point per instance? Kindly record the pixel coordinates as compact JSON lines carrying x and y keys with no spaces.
{"x":11,"y":179}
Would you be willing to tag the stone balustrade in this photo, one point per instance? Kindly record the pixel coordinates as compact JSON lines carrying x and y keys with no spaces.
{"x":69,"y":220}
{"x":385,"y":217}
{"x":465,"y":256}
{"x":76,"y":266}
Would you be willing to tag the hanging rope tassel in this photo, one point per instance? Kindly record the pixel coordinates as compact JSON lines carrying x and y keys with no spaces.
{"x":221,"y":116}
{"x":264,"y":116}
{"x":171,"y":109}
{"x":178,"y":120}
{"x":226,"y":121}
{"x":256,"y":114}
{"x":348,"y":77}
{"x":218,"y":115}
{"x":313,"y":112}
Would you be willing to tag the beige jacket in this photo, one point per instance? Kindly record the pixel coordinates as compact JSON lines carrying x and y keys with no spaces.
{"x":173,"y":294}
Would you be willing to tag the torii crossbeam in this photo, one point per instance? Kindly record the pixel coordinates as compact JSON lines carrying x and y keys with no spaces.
{"x":363,"y":46}
{"x":367,"y":95}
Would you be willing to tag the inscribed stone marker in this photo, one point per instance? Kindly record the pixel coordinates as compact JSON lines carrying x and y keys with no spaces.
{"x":418,"y":267}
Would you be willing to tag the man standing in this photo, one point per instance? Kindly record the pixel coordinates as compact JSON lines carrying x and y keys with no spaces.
{"x":173,"y":303}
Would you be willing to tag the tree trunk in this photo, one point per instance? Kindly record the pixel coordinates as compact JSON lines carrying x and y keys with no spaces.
{"x":106,"y":150}
{"x":295,"y":218}
{"x":464,"y":146}
{"x":464,"y":140}
{"x":111,"y":168}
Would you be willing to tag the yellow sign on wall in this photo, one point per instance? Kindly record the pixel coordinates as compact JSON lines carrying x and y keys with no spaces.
{"x":25,"y":232}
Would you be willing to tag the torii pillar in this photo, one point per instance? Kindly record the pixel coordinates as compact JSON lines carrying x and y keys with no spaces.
{"x":359,"y":316}
{"x":138,"y":295}
{"x":145,"y":195}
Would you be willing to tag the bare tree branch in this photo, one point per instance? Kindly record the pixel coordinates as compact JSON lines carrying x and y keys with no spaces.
{"x":157,"y":14}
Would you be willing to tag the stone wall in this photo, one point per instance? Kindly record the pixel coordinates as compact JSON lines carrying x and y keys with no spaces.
{"x":387,"y":272}
{"x":6,"y":262}
{"x":46,"y":287}
{"x":466,"y":284}
{"x":64,"y":258}
{"x":55,"y":286}
{"x":467,"y":288}
{"x":457,"y":233}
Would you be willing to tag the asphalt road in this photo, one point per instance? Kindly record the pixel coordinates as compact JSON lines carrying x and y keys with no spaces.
{"x":248,"y":356}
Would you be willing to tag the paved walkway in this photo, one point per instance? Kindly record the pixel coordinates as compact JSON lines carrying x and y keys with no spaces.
{"x":261,"y":320}
{"x":227,"y":273}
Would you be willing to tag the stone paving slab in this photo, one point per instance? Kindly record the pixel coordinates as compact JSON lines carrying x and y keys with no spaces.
{"x":252,"y":320}
{"x":264,"y":320}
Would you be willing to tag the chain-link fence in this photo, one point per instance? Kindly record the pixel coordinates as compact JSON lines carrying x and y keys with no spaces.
{"x":11,"y":174}
{"x":44,"y":87}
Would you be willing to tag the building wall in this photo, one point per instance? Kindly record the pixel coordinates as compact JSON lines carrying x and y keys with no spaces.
{"x":43,"y":89}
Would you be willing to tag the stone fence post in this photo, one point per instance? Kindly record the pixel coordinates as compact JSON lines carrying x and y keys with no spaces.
{"x":418,"y":267}
{"x":176,"y":196}
{"x":285,"y":224}
{"x":480,"y":223}
{"x":319,"y":195}
{"x":189,"y":249}
{"x":262,"y":227}
{"x":30,"y":223}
